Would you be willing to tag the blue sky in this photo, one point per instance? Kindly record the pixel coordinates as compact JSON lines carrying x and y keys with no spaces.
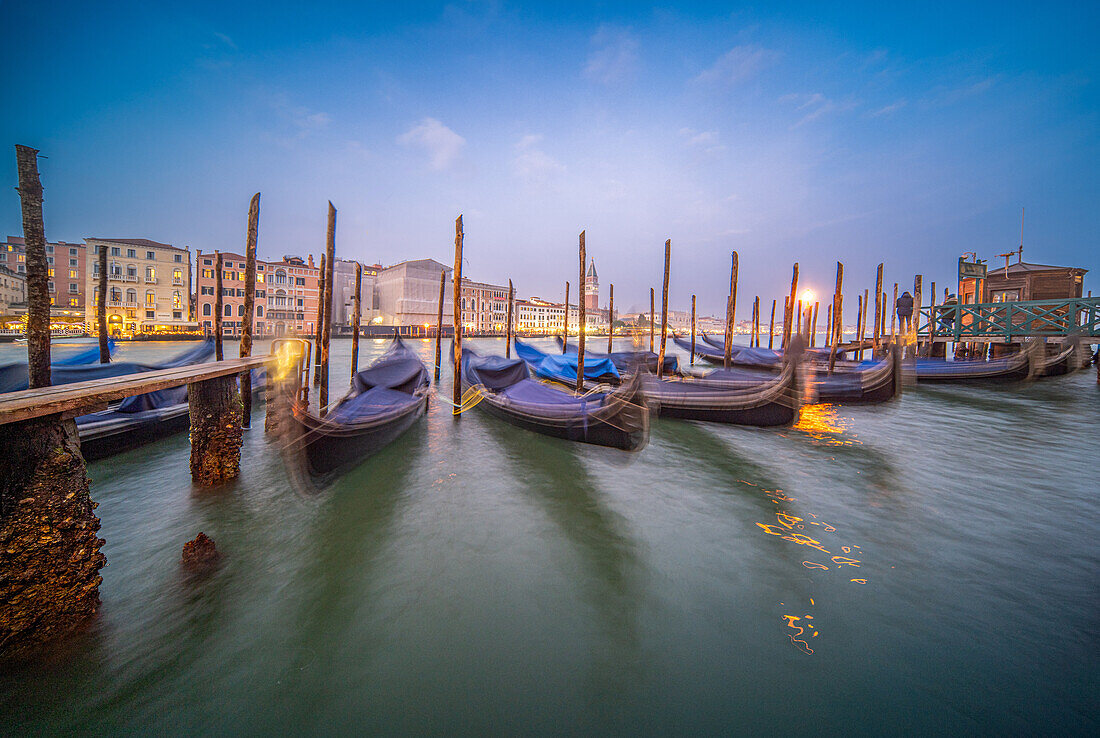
{"x":797,"y":132}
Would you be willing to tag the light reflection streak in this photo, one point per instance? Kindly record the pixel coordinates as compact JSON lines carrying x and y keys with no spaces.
{"x":823,"y":423}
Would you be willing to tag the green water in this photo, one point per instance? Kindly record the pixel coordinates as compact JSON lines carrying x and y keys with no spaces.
{"x":474,"y":578}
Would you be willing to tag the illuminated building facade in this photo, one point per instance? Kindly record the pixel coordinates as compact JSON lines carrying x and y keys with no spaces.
{"x":147,"y":285}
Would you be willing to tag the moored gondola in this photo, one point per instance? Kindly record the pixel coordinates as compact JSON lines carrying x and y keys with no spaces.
{"x":1063,"y":361}
{"x":1014,"y":367}
{"x":385,"y":399}
{"x":563,"y":367}
{"x":729,"y":397}
{"x":619,"y":419}
{"x":627,"y":361}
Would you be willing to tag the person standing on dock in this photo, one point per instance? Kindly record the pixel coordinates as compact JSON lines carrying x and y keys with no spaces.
{"x":904,"y":308}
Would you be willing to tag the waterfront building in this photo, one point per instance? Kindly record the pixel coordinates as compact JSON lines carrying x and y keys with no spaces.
{"x":13,"y":290}
{"x":343,"y":294}
{"x":408,"y":294}
{"x":66,"y":265}
{"x":148,"y":285}
{"x":591,"y":288}
{"x":484,"y":307}
{"x":293,"y":295}
{"x":233,"y":287}
{"x":1024,"y":281}
{"x":538,"y":317}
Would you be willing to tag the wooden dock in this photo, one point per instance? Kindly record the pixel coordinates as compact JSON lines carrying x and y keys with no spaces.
{"x":1007,"y":322}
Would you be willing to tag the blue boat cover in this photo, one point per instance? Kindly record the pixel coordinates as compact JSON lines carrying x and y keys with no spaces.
{"x":13,"y":377}
{"x":388,"y":384}
{"x":563,"y":367}
{"x":748,"y":355}
{"x":83,"y":356}
{"x":510,"y":379}
{"x":629,"y":361}
{"x":154,"y":400}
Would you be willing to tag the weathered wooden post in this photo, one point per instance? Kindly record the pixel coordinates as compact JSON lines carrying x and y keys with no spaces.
{"x":50,"y":560}
{"x":813,"y":326}
{"x":756,"y":322}
{"x":798,"y":321}
{"x":788,"y":317}
{"x":859,"y":327}
{"x":218,"y":356}
{"x":356,"y":319}
{"x":838,"y":324}
{"x":216,"y":434}
{"x":565,"y":321}
{"x":457,"y":318}
{"x":786,"y":314}
{"x":508,"y":328}
{"x":875,"y":335}
{"x":101,"y":308}
{"x":326,"y":329}
{"x":916,"y":312}
{"x":611,"y":318}
{"x":863,"y":325}
{"x":320,"y":322}
{"x":731,"y":309}
{"x":771,"y":326}
{"x":894,"y":315}
{"x":439,"y":322}
{"x":580,"y":320}
{"x":692,"y":359}
{"x":652,"y":318}
{"x":829,"y":326}
{"x":249,"y":303}
{"x":664,"y":311}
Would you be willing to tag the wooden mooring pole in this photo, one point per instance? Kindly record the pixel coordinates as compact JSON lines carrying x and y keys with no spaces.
{"x":580,"y":319}
{"x":49,"y":548}
{"x":218,"y":306}
{"x":731,"y":310}
{"x":101,"y":308}
{"x":813,"y":326}
{"x":249,"y":304}
{"x":917,"y":289}
{"x":838,"y":323}
{"x":356,"y":318}
{"x":664,"y":312}
{"x":508,"y":326}
{"x":611,"y":318}
{"x":771,"y":326}
{"x":894,"y":315}
{"x":859,"y":327}
{"x":439,"y":322}
{"x":326,"y":329}
{"x":692,"y":359}
{"x":829,"y":326}
{"x":320,"y":322}
{"x":457,"y":318}
{"x":875,"y":334}
{"x":756,"y":321}
{"x":788,"y":321}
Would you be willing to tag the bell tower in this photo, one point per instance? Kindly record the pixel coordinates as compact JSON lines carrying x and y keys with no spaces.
{"x":591,"y":288}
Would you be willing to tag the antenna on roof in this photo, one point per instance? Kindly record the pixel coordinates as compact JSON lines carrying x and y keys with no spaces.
{"x":1020,"y":251}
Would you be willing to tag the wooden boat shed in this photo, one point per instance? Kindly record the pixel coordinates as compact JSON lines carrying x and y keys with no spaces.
{"x":1023,"y":281}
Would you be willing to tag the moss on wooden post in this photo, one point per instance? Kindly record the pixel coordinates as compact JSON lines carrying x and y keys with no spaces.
{"x":216,"y":436}
{"x":249,"y":302}
{"x":326,"y":327}
{"x":49,"y":581}
{"x":38,"y":294}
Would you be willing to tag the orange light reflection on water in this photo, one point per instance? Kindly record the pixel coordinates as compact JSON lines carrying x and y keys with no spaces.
{"x":823,"y":423}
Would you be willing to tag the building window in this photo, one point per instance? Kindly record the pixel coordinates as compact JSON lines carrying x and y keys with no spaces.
{"x":72,"y":252}
{"x":300,"y":281}
{"x":131,"y":271}
{"x":177,"y":315}
{"x":151,"y":255}
{"x":150,"y":314}
{"x":206,"y":308}
{"x":74,"y":302}
{"x":259,"y":311}
{"x":150,"y":297}
{"x":52,"y":288}
{"x":177,"y":275}
{"x":179,"y":258}
{"x":116,"y":294}
{"x":73,"y":274}
{"x":177,"y":300}
{"x":207,"y":262}
{"x":49,"y":272}
{"x":240,"y":311}
{"x":131,"y":253}
{"x":131,"y":296}
{"x":73,"y":288}
{"x":227,"y":310}
{"x":116,"y":251}
{"x":150,"y":274}
{"x":207,"y":273}
{"x":73,"y":262}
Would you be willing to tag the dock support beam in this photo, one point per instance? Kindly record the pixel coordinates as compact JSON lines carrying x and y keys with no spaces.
{"x":49,"y":579}
{"x":216,"y":434}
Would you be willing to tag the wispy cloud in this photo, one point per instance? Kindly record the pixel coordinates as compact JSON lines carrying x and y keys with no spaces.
{"x":944,"y":95}
{"x":815,"y":105}
{"x":737,"y":64}
{"x":296,"y":122}
{"x":706,"y":141}
{"x":532,"y":164}
{"x":891,"y":108}
{"x":614,"y":56}
{"x":440,"y":143}
{"x":225,"y":40}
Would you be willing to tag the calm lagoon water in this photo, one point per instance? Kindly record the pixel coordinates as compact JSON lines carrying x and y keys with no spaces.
{"x":927,"y":566}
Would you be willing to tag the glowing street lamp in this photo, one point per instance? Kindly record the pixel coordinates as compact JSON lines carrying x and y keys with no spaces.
{"x":807,"y":297}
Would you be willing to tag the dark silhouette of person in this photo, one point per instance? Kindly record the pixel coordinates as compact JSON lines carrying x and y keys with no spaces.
{"x":904,"y":307}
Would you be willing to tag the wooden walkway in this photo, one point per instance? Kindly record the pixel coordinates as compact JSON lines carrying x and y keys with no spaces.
{"x":79,"y":398}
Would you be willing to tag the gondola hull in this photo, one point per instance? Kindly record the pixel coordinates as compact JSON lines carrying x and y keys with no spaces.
{"x":619,"y":420}
{"x":1011,"y":369}
{"x":735,"y":399}
{"x":880,"y":383}
{"x":332,"y":447}
{"x":110,"y":432}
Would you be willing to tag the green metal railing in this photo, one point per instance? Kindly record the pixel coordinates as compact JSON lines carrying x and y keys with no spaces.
{"x":1079,"y":316}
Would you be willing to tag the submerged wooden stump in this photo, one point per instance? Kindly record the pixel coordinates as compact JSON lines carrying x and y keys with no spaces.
{"x":216,"y":434}
{"x":49,"y":547}
{"x":200,"y":556}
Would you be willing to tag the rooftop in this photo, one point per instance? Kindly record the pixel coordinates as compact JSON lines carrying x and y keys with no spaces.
{"x":1022,"y":267}
{"x":144,"y":242}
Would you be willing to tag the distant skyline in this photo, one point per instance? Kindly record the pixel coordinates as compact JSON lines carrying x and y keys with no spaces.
{"x":810,"y":133}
